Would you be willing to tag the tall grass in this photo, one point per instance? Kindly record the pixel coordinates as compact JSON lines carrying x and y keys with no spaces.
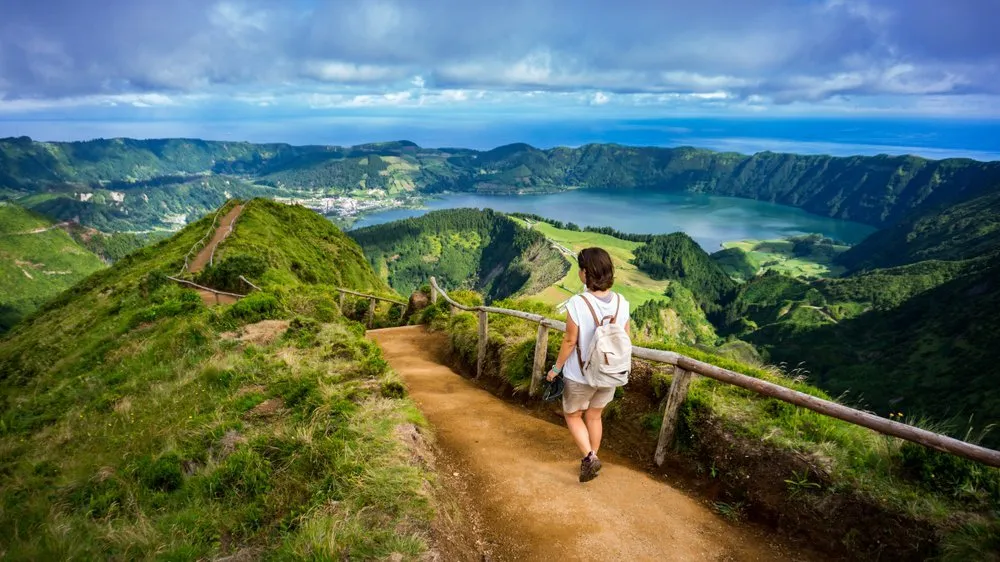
{"x":135,"y":425}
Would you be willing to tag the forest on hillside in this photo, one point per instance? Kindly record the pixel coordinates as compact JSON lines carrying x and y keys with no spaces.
{"x":877,"y":190}
{"x":463,"y":248}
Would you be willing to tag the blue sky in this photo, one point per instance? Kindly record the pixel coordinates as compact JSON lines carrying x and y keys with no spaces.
{"x":289,"y":70}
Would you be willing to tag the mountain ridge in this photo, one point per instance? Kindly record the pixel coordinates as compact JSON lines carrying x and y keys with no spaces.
{"x":877,"y":190}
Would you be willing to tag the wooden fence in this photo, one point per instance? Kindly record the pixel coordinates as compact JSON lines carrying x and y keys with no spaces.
{"x":216,"y":292}
{"x":201,"y":242}
{"x":372,"y":299}
{"x":685,"y":367}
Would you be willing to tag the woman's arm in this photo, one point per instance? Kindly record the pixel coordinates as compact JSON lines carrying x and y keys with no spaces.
{"x":568,"y":344}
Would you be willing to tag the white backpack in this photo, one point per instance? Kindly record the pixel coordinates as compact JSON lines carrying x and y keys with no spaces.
{"x":609,"y":355}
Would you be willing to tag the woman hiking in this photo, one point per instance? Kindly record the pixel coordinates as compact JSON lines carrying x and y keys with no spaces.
{"x":582,"y":403}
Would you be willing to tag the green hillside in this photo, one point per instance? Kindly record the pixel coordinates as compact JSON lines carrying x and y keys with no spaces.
{"x":135,"y":423}
{"x":37,"y":261}
{"x":967,"y":230}
{"x":163,"y":204}
{"x":676,"y":256}
{"x":877,"y":190}
{"x":934,"y":353}
{"x":463,"y":248}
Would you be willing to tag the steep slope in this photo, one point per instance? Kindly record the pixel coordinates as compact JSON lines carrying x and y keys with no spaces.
{"x":676,"y":256}
{"x":38,"y":260}
{"x":136,"y":423}
{"x":967,"y":230}
{"x":162,"y":204}
{"x":676,"y":317}
{"x":934,"y":354}
{"x":466,"y":248}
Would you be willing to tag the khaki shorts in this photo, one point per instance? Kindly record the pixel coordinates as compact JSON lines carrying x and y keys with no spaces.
{"x":578,"y":396}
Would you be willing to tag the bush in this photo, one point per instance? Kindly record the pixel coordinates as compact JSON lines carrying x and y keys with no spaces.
{"x":245,"y":474}
{"x":185,"y":302}
{"x":163,"y":474}
{"x":225,"y":275}
{"x":303,"y":331}
{"x":253,"y":308}
{"x":961,"y":478}
{"x":100,"y":497}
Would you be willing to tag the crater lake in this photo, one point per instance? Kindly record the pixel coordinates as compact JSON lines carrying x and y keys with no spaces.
{"x":710,"y":220}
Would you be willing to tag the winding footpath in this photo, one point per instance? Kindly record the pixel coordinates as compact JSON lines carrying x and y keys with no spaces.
{"x":205,"y":255}
{"x":521,"y":473}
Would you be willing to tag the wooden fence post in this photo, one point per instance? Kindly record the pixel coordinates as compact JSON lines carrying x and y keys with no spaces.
{"x":342,"y":295}
{"x":678,"y":392}
{"x":453,"y":310}
{"x":371,"y":313}
{"x":541,"y":352}
{"x":483,"y":337}
{"x":434,"y":295}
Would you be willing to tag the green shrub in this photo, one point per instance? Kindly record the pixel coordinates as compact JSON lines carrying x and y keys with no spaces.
{"x":100,"y":497}
{"x":225,"y":274}
{"x":253,"y":308}
{"x":303,"y":331}
{"x":163,"y":474}
{"x":244,"y":475}
{"x":393,"y":388}
{"x":186,"y":301}
{"x":298,"y":393}
{"x":959,"y":477}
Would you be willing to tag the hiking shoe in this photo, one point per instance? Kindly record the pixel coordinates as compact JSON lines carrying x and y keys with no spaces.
{"x":552,"y":390}
{"x":588,"y":468}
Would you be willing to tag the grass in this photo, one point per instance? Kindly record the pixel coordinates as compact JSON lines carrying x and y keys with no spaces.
{"x":132,"y":428}
{"x":777,"y":255}
{"x":634,"y":285}
{"x":36,"y":267}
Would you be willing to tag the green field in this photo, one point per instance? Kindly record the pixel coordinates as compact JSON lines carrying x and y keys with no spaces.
{"x":777,"y":255}
{"x":633,"y":284}
{"x":36,"y":266}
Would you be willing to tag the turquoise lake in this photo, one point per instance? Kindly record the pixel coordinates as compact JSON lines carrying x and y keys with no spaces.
{"x":710,"y":220}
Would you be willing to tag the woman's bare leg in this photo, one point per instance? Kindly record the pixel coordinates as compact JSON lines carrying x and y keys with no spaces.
{"x":595,"y":427}
{"x":578,"y":429}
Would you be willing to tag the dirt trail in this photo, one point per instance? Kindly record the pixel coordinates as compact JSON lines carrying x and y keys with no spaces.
{"x":522,"y":474}
{"x":221,"y":232}
{"x":201,"y":260}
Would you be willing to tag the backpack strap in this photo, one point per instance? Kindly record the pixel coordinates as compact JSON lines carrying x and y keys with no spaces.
{"x":593,"y":313}
{"x":618,"y":308}
{"x":597,"y":322}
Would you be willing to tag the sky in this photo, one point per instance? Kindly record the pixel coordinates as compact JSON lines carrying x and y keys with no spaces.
{"x":451,"y":72}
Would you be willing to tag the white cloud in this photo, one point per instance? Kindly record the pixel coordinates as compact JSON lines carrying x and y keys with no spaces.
{"x":340,"y":71}
{"x":600,"y":98}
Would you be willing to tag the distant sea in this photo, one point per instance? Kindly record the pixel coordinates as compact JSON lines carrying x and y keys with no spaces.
{"x":931,"y":138}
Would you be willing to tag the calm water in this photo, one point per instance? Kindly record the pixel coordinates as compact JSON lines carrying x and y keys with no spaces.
{"x":708,"y":219}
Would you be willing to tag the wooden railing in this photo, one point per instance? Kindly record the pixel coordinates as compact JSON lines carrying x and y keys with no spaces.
{"x":372,"y":299}
{"x":201,"y":242}
{"x":685,"y":367}
{"x":216,"y":292}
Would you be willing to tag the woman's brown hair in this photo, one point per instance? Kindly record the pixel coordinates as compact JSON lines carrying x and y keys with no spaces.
{"x":596,"y":264}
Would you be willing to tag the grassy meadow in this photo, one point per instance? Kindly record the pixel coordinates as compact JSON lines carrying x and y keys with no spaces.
{"x":778,"y":255}
{"x":633,"y":284}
